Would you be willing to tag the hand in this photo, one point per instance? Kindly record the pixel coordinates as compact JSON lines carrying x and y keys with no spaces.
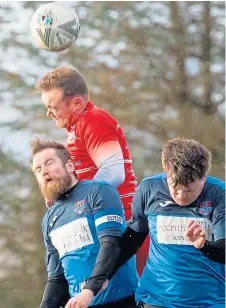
{"x":196,"y":234}
{"x":82,"y":300}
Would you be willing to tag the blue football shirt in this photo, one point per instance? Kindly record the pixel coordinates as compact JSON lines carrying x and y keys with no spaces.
{"x":176,"y":273}
{"x":72,"y":228}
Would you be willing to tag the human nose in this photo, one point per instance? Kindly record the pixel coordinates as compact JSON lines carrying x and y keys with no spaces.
{"x":44,"y":171}
{"x":181,"y":195}
{"x":48,"y":113}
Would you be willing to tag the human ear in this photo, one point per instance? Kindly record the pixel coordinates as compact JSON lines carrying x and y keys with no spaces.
{"x":78,"y":102}
{"x":70,"y":165}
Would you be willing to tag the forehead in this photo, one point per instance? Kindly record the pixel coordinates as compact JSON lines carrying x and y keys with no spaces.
{"x":52,"y":95}
{"x":44,"y":155}
{"x":190,"y":186}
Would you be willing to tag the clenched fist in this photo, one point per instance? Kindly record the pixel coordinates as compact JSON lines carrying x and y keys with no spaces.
{"x":196,"y":234}
{"x":82,"y":300}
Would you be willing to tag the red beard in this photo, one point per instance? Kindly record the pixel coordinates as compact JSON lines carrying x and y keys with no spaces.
{"x":53,"y":189}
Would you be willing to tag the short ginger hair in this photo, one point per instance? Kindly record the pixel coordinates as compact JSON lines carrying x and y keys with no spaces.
{"x":38,"y":144}
{"x":70,"y":80}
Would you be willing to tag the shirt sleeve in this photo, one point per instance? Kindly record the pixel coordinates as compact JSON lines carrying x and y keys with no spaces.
{"x":108,"y":211}
{"x":53,"y":264}
{"x":218,"y":218}
{"x":139,"y":221}
{"x":98,"y":131}
{"x":56,"y":293}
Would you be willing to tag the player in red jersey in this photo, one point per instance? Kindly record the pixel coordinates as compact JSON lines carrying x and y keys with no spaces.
{"x":96,"y":142}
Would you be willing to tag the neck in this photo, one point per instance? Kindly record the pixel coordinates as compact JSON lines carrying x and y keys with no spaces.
{"x":80,"y":111}
{"x":74,"y":182}
{"x":70,"y":188}
{"x":74,"y":116}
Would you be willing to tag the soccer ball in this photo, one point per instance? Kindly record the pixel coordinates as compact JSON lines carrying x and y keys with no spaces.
{"x":54,"y":27}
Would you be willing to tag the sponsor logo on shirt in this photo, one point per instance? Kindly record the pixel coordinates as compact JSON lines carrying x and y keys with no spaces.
{"x":77,"y":163}
{"x":165,"y":203}
{"x":172,"y":229}
{"x":114,"y":218}
{"x":72,"y":236}
{"x":80,"y":207}
{"x":205,"y":208}
{"x":108,"y":218}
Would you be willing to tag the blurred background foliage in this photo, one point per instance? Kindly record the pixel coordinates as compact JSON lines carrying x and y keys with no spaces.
{"x":158,"y":67}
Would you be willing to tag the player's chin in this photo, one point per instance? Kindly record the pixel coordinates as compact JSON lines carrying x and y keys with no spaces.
{"x":61,"y":123}
{"x":183,"y":203}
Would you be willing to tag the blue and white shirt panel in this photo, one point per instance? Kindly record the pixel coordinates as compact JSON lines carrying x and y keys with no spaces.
{"x":174,"y":266}
{"x":72,"y":228}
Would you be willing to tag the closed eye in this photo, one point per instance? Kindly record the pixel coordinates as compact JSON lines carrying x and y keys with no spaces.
{"x":49,"y":162}
{"x":38,"y":169}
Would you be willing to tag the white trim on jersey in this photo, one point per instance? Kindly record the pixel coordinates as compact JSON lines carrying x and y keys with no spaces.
{"x":108,"y":218}
{"x":85,"y":169}
{"x":127,"y":195}
{"x":73,"y":148}
{"x":128,"y":161}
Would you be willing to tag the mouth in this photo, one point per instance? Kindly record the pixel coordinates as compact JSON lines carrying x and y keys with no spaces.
{"x":48,"y":180}
{"x":60,"y":123}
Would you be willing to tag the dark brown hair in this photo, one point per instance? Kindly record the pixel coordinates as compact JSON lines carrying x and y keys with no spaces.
{"x":70,"y":80}
{"x":186,"y":160}
{"x":39,"y":144}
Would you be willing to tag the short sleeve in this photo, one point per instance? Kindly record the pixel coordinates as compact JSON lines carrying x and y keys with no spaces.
{"x":218,"y":218}
{"x":139,"y":221}
{"x":108,"y":211}
{"x":98,"y":131}
{"x":53,"y":264}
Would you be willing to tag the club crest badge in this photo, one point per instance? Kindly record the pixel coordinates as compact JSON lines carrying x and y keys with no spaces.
{"x":205,"y":208}
{"x":80,"y":207}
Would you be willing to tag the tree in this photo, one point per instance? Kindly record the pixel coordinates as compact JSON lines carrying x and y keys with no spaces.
{"x":158,"y":67}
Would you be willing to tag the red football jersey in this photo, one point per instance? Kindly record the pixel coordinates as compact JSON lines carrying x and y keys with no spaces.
{"x":92,"y":128}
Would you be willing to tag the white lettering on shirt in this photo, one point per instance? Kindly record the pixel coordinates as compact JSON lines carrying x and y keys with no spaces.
{"x":172,"y":229}
{"x":108,"y":218}
{"x":72,"y":236}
